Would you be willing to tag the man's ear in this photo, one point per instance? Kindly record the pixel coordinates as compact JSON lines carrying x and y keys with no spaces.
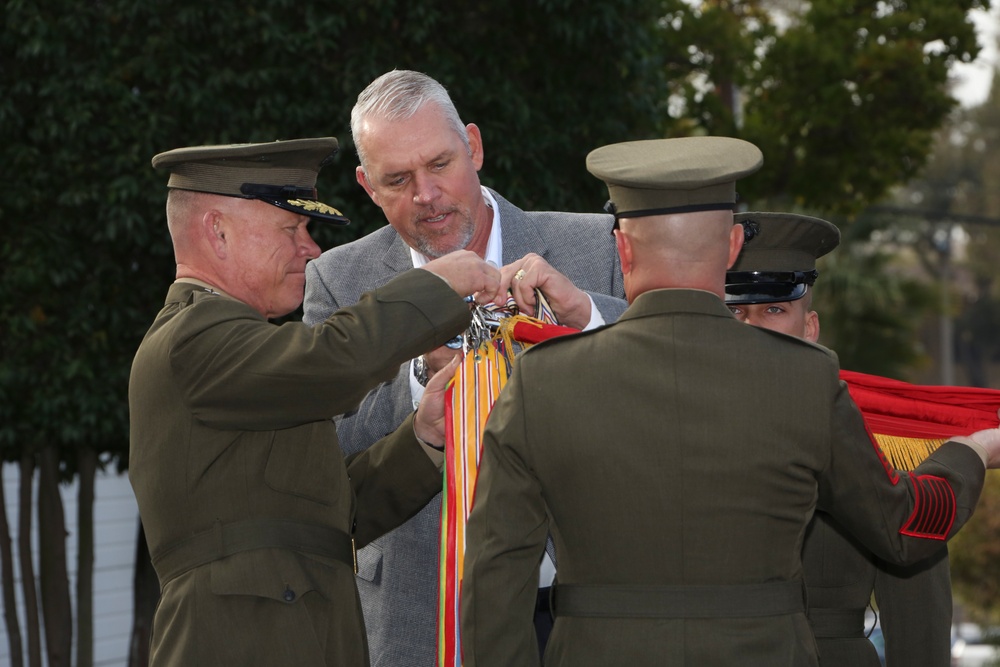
{"x":213,"y":226}
{"x":624,"y":245}
{"x":475,"y":145}
{"x":736,"y":237}
{"x":812,"y":326}
{"x":362,"y":178}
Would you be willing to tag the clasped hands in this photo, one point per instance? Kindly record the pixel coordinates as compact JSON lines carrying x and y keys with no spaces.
{"x":467,"y":273}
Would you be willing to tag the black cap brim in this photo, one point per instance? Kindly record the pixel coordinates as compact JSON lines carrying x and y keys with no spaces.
{"x":776,"y":292}
{"x":316,"y":210}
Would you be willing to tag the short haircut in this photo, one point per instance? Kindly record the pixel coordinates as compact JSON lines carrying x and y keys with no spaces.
{"x":398,"y":95}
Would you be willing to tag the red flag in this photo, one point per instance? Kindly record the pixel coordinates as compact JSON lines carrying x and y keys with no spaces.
{"x":910,"y":421}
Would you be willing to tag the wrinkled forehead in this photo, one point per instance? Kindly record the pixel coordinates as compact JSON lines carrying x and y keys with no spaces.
{"x":401,"y":144}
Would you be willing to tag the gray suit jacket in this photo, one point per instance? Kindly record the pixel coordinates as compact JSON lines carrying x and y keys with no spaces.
{"x":398,"y":573}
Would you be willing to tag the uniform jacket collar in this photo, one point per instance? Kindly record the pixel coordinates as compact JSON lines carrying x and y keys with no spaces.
{"x":183,"y":291}
{"x":676,"y":301}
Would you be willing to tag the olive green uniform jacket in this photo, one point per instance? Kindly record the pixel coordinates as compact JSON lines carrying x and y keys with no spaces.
{"x":679,"y":447}
{"x":230,"y":426}
{"x":914,"y":602}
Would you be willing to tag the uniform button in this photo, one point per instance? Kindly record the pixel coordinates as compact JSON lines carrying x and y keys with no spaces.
{"x":289,"y":595}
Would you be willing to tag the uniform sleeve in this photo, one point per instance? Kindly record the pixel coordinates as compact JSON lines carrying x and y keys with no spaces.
{"x":385,"y":406}
{"x":506,"y":536}
{"x":915,"y":607}
{"x":902,"y":517}
{"x":392,"y":480}
{"x":248,"y":374}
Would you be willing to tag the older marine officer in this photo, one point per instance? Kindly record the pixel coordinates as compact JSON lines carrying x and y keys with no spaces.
{"x":771,"y":286}
{"x":678,"y":514}
{"x":250,"y":512}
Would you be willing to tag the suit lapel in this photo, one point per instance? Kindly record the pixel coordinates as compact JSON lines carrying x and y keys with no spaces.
{"x":396,"y":257}
{"x":519,"y":235}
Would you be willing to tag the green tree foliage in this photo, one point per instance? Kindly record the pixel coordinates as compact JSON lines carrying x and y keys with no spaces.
{"x":868,"y":313}
{"x":842,"y":96}
{"x":847,"y":103}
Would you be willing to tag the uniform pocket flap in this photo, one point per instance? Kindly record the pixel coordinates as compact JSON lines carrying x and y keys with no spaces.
{"x":271,"y":573}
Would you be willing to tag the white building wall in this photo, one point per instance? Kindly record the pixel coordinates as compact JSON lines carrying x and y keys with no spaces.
{"x":116,"y":526}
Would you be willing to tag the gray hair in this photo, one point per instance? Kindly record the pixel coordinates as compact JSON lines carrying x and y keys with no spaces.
{"x":180,"y":204}
{"x":398,"y":95}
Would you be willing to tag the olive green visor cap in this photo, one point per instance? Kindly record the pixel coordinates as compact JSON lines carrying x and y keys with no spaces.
{"x":281,"y":173}
{"x":778,"y":259}
{"x":664,"y":176}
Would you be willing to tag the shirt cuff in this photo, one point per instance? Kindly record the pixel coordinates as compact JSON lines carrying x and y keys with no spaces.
{"x":596,"y":319}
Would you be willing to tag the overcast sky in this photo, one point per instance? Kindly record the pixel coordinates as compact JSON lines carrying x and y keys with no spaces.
{"x":973,"y":80}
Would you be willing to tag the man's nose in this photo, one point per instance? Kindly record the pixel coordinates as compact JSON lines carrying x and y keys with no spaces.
{"x":426,"y":190}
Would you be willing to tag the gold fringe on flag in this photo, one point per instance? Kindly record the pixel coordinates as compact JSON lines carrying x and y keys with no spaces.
{"x":907,"y":453}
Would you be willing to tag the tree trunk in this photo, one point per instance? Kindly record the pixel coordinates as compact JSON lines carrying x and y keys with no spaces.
{"x":86,"y":468}
{"x":9,"y":603}
{"x":25,"y":504}
{"x":146,"y":593}
{"x":56,"y":609}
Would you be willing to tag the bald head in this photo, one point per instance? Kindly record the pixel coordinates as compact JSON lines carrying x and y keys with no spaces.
{"x":679,"y":250}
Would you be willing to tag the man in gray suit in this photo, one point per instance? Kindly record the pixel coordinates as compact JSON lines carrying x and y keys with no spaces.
{"x":420,"y":164}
